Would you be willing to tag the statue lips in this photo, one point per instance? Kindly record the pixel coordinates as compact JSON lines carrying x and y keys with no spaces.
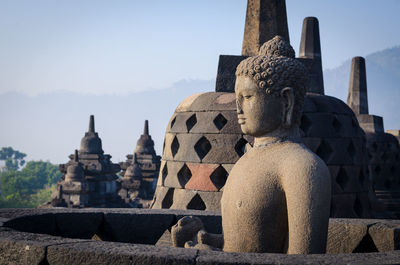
{"x":241,"y":119}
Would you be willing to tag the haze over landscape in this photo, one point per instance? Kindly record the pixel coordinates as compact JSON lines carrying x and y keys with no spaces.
{"x":127,"y":61}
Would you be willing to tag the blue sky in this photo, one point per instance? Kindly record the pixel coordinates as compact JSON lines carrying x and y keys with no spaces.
{"x":61,"y":61}
{"x":106,"y":47}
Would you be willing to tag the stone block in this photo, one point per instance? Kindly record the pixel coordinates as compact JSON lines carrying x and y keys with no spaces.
{"x":26,"y":248}
{"x":222,"y":148}
{"x":180,"y":124}
{"x":200,"y":179}
{"x":345,"y":235}
{"x":171,"y":180}
{"x":386,"y":235}
{"x":118,"y":253}
{"x":212,"y":200}
{"x":216,"y":101}
{"x":226,"y":78}
{"x":181,"y":198}
{"x":186,"y":151}
{"x":142,"y":227}
{"x":163,"y":198}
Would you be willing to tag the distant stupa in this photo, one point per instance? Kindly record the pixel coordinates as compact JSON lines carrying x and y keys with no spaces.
{"x":145,"y":159}
{"x":89,"y":178}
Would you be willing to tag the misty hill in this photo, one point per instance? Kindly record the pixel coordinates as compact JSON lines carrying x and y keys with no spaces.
{"x":50,"y":126}
{"x":383,"y":84}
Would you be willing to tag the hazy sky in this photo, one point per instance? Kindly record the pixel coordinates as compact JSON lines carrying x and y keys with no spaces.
{"x":63,"y":52}
{"x":121,"y":46}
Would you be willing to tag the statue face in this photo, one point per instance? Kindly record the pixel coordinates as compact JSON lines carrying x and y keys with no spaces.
{"x":258,"y":113}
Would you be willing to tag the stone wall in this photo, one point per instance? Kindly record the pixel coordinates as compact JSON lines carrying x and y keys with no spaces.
{"x":82,"y":236}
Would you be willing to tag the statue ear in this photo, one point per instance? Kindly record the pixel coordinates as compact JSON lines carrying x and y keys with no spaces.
{"x":287,"y":95}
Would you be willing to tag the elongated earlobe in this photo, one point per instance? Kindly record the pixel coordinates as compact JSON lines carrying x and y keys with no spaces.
{"x":287,"y":95}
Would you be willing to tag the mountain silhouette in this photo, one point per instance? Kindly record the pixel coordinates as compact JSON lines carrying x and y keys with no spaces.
{"x":383,"y":84}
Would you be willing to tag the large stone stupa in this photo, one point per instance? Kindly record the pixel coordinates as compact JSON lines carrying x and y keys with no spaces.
{"x":203,"y":139}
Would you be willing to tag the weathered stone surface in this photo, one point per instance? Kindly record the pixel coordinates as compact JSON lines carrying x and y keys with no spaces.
{"x":144,"y":227}
{"x":344,"y":235}
{"x":386,"y":235}
{"x":264,"y":20}
{"x":222,"y":258}
{"x":26,"y":248}
{"x":222,"y":148}
{"x":212,"y":200}
{"x":310,"y":48}
{"x":118,"y":253}
{"x":214,"y":101}
{"x":358,"y":98}
{"x":171,"y":180}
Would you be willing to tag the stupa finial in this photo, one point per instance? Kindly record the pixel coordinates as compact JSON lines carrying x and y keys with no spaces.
{"x":357,"y":97}
{"x":91,"y":124}
{"x":146,"y":127}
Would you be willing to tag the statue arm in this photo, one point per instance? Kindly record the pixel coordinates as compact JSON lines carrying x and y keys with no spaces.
{"x":307,"y":190}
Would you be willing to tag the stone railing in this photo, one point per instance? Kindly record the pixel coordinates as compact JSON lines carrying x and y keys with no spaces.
{"x":141,"y":236}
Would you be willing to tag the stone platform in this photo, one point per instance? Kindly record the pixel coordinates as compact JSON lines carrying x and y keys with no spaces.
{"x":140,"y":236}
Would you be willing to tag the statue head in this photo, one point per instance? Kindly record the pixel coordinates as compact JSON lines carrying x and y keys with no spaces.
{"x":270,"y":89}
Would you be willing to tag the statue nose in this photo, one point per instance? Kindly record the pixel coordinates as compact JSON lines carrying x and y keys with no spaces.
{"x":238,"y":107}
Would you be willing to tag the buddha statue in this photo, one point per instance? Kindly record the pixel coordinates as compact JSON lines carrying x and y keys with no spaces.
{"x":277,"y":196}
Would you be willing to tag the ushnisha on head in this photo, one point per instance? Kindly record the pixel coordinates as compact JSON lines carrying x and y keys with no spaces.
{"x":270,"y":89}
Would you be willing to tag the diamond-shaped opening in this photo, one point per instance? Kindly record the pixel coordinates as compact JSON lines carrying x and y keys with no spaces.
{"x":164,"y":173}
{"x":384,"y":157}
{"x":342,"y":178}
{"x":366,"y":245}
{"x":358,"y":207}
{"x":202,"y":147}
{"x":336,"y":125}
{"x":305,"y":124}
{"x":174,"y":146}
{"x":173,"y":122}
{"x":184,"y":174}
{"x":240,"y":147}
{"x":168,"y":199}
{"x":219,"y":176}
{"x":324,"y":151}
{"x":191,"y":122}
{"x":351,"y":149}
{"x":196,"y":203}
{"x":220,"y":121}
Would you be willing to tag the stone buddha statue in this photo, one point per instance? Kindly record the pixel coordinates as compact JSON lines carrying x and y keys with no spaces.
{"x":277,"y":196}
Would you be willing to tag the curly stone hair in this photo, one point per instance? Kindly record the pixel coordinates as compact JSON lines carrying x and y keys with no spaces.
{"x":276,"y":68}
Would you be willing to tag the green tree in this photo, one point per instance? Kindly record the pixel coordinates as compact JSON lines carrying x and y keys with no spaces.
{"x":30,"y":186}
{"x":13,"y":158}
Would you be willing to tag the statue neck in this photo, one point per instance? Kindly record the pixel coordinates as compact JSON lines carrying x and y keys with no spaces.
{"x":279,"y":135}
